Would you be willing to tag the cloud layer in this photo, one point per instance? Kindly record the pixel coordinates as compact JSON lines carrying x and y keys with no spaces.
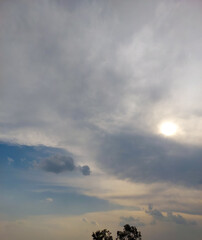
{"x":73,"y":77}
{"x":97,"y":78}
{"x":149,"y":158}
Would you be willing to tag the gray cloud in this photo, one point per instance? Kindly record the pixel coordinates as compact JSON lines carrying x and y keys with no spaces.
{"x":170,"y":217}
{"x":68,"y":72}
{"x":147,"y":158}
{"x":85,"y":170}
{"x":59,"y":164}
{"x":131,"y":221}
{"x":94,"y":223}
{"x":85,"y":220}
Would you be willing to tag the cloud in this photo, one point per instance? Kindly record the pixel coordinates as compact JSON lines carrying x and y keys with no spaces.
{"x":170,"y":217}
{"x":88,"y":65}
{"x":10,"y":161}
{"x":131,"y":221}
{"x":49,"y":200}
{"x":150,"y":158}
{"x":85,"y":220}
{"x":97,"y":78}
{"x":85,"y":170}
{"x":92,"y":222}
{"x":58,"y":164}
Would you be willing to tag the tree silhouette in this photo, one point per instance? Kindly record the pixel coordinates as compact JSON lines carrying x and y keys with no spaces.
{"x":102,"y":235}
{"x":128,"y":233}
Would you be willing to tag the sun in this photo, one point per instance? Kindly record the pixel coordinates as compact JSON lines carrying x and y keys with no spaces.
{"x":168,"y":128}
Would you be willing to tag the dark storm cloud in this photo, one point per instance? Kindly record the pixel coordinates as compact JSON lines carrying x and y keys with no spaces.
{"x":170,"y":217}
{"x":59,"y":164}
{"x":147,"y":158}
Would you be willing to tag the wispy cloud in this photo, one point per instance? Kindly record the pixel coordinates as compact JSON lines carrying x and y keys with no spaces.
{"x":92,"y":222}
{"x":170,"y":217}
{"x":10,"y":161}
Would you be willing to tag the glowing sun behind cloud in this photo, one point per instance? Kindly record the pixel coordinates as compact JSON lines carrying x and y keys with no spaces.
{"x":168,"y":128}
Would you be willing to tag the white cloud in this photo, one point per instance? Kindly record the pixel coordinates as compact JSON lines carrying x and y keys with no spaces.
{"x":10,"y":161}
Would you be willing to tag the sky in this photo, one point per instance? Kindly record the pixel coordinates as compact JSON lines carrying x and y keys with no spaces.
{"x":100,"y":118}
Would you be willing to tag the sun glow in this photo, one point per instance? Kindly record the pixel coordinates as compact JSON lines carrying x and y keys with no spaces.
{"x":168,"y":128}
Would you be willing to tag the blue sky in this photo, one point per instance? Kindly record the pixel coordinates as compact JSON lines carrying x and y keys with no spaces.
{"x":22,"y":196}
{"x":100,"y":118}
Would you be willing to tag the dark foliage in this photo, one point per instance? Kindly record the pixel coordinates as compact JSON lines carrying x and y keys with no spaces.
{"x":128,"y":233}
{"x":102,"y":235}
